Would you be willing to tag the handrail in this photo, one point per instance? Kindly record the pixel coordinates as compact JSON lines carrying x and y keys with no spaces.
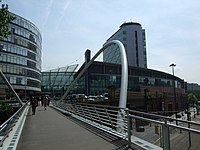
{"x":106,"y":118}
{"x":163,"y":117}
{"x":13,"y":115}
{"x":7,"y":126}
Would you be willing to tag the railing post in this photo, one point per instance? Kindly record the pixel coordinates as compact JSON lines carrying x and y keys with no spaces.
{"x":96,"y":112}
{"x":189,"y":134}
{"x":109,"y":118}
{"x":166,"y":136}
{"x":129,"y":128}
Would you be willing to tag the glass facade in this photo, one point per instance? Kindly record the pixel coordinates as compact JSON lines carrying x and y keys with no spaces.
{"x":112,"y":54}
{"x":105,"y":75}
{"x":55,"y":81}
{"x":20,"y":55}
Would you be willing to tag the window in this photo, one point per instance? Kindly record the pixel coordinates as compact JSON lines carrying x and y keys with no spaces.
{"x":12,"y":80}
{"x":13,"y":30}
{"x":15,"y":41}
{"x":18,"y":80}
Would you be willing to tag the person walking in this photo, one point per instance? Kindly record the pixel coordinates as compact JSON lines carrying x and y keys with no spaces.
{"x":48,"y":101}
{"x":42,"y":99}
{"x":34,"y":104}
{"x":45,"y":100}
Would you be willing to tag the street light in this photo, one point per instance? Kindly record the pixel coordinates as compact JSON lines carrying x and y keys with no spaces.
{"x":173,"y":65}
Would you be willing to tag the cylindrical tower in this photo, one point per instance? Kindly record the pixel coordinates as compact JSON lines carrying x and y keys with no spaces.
{"x":20,"y":56}
{"x":132,"y":36}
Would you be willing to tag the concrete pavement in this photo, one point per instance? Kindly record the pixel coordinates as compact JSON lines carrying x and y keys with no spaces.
{"x":180,"y":140}
{"x":50,"y":130}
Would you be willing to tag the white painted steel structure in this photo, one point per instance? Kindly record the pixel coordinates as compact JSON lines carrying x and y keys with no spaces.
{"x":124,"y":74}
{"x":106,"y":118}
{"x":11,"y":88}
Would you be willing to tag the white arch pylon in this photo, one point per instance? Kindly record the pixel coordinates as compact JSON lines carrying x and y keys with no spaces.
{"x":124,"y":73}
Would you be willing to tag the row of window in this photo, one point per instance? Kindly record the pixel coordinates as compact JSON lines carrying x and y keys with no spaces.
{"x":23,"y":81}
{"x":26,"y":24}
{"x":14,"y":49}
{"x":23,"y":42}
{"x":17,"y":80}
{"x":13,"y":59}
{"x":19,"y":60}
{"x":25,"y":33}
{"x":33,"y":83}
{"x":11,"y":69}
{"x":102,"y":82}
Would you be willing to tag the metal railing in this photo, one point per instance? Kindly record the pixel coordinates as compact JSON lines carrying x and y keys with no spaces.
{"x":106,"y":118}
{"x":8,"y":125}
{"x":167,"y":125}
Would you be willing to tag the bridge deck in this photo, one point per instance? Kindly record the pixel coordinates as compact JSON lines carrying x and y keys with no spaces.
{"x":50,"y":130}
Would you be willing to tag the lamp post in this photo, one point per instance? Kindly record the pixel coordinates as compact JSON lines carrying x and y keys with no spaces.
{"x":173,"y":65}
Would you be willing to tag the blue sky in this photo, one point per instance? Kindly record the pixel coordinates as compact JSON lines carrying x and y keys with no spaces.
{"x":69,"y":27}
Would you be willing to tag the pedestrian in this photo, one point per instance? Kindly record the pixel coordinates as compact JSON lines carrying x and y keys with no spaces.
{"x":34,"y":104}
{"x":45,"y":100}
{"x":42,"y":100}
{"x":48,"y":101}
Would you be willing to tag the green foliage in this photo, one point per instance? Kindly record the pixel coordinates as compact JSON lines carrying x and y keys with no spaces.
{"x":5,"y":18}
{"x":192,"y":98}
{"x":5,"y":107}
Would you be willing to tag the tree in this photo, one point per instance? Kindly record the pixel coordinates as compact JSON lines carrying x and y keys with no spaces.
{"x":192,"y":98}
{"x":5,"y":18}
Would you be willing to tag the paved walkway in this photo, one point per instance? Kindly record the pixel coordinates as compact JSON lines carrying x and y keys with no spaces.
{"x":50,"y":130}
{"x":180,"y":140}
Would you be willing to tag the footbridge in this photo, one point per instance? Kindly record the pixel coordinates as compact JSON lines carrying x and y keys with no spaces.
{"x":94,"y":127}
{"x":87,"y":126}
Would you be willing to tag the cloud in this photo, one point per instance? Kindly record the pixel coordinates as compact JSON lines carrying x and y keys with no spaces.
{"x":47,"y":12}
{"x":63,"y":13}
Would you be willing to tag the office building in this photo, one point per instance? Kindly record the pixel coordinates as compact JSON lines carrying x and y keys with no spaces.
{"x":20,"y":57}
{"x":132,"y":36}
{"x":148,"y":89}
